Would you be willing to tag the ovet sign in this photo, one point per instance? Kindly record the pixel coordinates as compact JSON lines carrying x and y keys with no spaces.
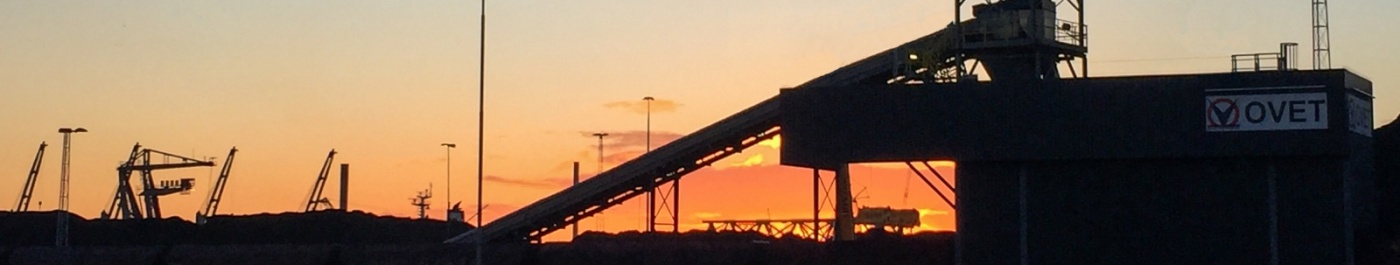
{"x":1266,"y":112}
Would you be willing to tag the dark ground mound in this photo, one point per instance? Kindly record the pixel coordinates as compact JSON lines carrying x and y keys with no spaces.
{"x":327,"y":227}
{"x":694,"y":247}
{"x":697,"y":247}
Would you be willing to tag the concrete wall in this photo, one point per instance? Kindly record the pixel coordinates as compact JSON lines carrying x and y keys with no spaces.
{"x":1108,"y":118}
{"x":1124,"y":170}
{"x":1193,"y":211}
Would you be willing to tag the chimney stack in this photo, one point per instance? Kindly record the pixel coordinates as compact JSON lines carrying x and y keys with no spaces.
{"x":345,"y":187}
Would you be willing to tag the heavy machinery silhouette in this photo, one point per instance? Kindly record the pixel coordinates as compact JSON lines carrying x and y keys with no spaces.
{"x":315,"y":200}
{"x":125,"y":204}
{"x":28,"y":190}
{"x":881,"y":218}
{"x":421,"y":201}
{"x":216,"y":192}
{"x":1009,"y":38}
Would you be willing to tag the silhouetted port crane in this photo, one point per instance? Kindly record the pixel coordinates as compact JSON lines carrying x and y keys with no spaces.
{"x":28,"y":190}
{"x":314,"y":201}
{"x":421,"y":201}
{"x":124,"y":204}
{"x":216,"y":193}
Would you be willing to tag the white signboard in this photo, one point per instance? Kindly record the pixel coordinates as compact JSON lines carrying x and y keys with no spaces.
{"x":1359,"y":118}
{"x":1266,"y":112}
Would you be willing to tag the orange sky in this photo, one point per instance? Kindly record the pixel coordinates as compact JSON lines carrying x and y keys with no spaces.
{"x":385,"y":82}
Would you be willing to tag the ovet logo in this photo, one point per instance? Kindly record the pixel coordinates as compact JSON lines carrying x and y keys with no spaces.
{"x":1266,"y":112}
{"x":1223,"y":112}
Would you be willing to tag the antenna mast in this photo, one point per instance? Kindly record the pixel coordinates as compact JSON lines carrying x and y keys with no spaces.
{"x":1322,"y":37}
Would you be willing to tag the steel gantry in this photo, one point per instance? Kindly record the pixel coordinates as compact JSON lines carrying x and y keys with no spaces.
{"x":800,"y":228}
{"x":125,"y":204}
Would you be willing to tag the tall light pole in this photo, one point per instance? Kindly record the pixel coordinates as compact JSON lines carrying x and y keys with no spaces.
{"x":600,"y":169}
{"x":600,"y":150}
{"x":481,"y":126}
{"x":651,"y":188}
{"x":61,"y":236}
{"x":449,"y":175}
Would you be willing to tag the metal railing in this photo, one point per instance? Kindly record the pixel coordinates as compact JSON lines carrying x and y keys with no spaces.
{"x":1283,"y":60}
{"x":1062,"y":31}
{"x":1256,"y":62}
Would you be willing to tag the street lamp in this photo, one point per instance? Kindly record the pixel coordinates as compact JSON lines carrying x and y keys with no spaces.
{"x":481,"y":127}
{"x":651,"y":188}
{"x":449,"y":175}
{"x":61,"y":237}
{"x":649,"y":100}
{"x":600,"y":168}
{"x":600,"y":151}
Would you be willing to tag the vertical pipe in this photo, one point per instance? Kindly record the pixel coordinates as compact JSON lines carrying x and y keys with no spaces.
{"x":845,"y":217}
{"x":481,"y":127}
{"x":575,"y":184}
{"x":345,"y":187}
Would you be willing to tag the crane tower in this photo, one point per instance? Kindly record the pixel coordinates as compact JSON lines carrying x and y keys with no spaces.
{"x":28,"y":191}
{"x":216,"y":193}
{"x":315,"y":200}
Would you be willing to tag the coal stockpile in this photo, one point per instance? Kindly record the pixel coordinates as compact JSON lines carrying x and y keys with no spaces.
{"x":328,"y":227}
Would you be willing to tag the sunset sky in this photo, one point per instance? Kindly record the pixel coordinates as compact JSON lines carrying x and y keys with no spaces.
{"x":385,"y":82}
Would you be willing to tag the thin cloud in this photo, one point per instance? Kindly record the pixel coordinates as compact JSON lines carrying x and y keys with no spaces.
{"x":616,"y":158}
{"x":633,"y":140}
{"x":640,"y":106}
{"x":549,"y":183}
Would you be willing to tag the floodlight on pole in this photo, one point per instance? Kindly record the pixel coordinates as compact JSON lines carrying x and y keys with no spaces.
{"x":600,"y":167}
{"x":61,"y":236}
{"x":449,"y":174}
{"x":651,"y":188}
{"x":481,"y":128}
{"x":600,"y":151}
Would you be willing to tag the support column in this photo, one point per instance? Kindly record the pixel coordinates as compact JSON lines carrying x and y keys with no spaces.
{"x":676,"y":206}
{"x":845,"y":217}
{"x":575,"y":184}
{"x":651,"y":206}
{"x":816,"y":203}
